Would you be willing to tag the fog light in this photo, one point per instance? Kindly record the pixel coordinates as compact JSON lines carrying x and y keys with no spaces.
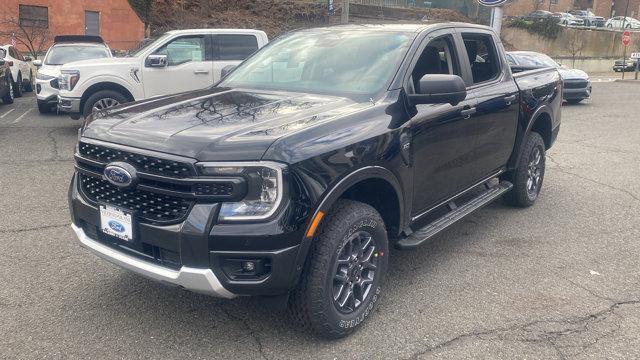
{"x":248,"y":266}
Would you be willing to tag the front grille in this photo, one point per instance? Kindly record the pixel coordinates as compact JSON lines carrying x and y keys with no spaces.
{"x":575,"y":84}
{"x":143,"y":163}
{"x":148,"y":206}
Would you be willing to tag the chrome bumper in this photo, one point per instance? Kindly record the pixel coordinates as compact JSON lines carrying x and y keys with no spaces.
{"x":194,"y":279}
{"x":69,"y":105}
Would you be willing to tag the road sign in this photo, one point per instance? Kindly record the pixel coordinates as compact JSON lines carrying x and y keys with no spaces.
{"x":635,"y":55}
{"x":626,"y":38}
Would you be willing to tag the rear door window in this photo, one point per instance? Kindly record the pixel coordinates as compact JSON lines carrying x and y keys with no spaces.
{"x":483,"y":57}
{"x":236,"y":47}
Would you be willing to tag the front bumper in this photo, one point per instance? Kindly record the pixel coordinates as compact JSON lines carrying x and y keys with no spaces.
{"x":571,"y":94}
{"x":198,"y":280}
{"x":45,"y":92}
{"x":198,"y":253}
{"x":69,"y":105}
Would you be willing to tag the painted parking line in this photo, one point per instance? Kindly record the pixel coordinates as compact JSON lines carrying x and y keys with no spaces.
{"x":21,"y":116}
{"x":7,"y":113}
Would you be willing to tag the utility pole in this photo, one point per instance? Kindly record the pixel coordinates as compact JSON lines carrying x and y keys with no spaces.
{"x":344,"y":17}
{"x":624,"y":48}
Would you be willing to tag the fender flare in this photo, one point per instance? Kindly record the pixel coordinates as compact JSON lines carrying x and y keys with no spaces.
{"x":338,"y":189}
{"x":519,"y":143}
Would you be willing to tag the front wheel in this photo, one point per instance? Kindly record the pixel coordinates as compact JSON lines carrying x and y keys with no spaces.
{"x":342,"y":279}
{"x":8,"y":97}
{"x":28,"y":86}
{"x":17,"y":87}
{"x":102,"y":100}
{"x":44,"y":107}
{"x":527,"y":177}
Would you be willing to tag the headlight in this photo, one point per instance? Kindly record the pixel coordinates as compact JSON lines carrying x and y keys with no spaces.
{"x":44,"y":77}
{"x":68,"y":79}
{"x":264,"y":188}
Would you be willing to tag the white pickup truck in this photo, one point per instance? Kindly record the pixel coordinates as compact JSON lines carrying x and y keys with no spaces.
{"x":178,"y":61}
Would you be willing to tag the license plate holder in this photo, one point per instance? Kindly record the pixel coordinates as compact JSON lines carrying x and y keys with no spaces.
{"x":116,"y":222}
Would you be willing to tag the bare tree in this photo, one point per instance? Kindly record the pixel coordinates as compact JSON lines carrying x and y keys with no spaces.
{"x":575,"y":45}
{"x":33,"y":35}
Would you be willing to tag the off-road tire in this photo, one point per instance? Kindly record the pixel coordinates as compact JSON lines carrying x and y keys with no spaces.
{"x":17,"y":87}
{"x":8,"y":97}
{"x":99,"y":95}
{"x":520,"y":196}
{"x":44,"y":107}
{"x":28,"y":86}
{"x":312,"y":301}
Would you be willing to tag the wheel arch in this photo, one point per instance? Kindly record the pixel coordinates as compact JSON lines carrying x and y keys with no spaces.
{"x":541,"y":122}
{"x":356,"y":186}
{"x":105,"y":85}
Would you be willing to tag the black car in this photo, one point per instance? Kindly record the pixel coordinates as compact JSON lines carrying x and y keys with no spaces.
{"x":577,"y":85}
{"x":538,"y":15}
{"x":6,"y":82}
{"x":293,"y":176}
{"x":621,"y":65}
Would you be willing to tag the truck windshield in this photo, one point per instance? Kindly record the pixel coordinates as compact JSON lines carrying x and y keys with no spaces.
{"x":60,"y":55}
{"x":335,"y":62}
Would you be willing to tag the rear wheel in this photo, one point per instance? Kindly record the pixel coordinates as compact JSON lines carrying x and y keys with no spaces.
{"x":17,"y":86}
{"x":28,"y":86}
{"x":342,"y":279}
{"x":8,"y":97}
{"x":102,"y":100}
{"x":527,"y":177}
{"x":44,"y":107}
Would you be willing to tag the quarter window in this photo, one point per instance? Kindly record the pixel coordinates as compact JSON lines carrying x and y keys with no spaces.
{"x":183,"y":50}
{"x":236,"y":47}
{"x":483,"y":58}
{"x":34,"y":16}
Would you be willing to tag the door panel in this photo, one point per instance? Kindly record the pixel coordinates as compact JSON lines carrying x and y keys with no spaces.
{"x":189,"y":67}
{"x":92,"y":23}
{"x":443,"y":152}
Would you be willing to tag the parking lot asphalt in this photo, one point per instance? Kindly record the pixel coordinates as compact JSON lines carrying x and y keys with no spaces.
{"x":558,"y":280}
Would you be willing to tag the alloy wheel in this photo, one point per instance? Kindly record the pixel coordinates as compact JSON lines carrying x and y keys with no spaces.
{"x":534,"y":172}
{"x":105,"y":103}
{"x":355,"y":272}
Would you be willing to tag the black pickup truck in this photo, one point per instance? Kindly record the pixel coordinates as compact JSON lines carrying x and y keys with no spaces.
{"x":292,"y":177}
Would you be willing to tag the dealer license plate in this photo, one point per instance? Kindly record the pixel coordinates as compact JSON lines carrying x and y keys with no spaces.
{"x":116,"y":222}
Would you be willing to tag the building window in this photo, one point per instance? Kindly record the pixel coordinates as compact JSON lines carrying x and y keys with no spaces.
{"x":34,"y":16}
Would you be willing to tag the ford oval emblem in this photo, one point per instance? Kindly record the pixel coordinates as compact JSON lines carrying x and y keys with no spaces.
{"x":492,"y":2}
{"x":116,"y":226}
{"x":118,"y":175}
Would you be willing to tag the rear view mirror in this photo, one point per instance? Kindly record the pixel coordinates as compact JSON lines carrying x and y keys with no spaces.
{"x":439,"y":89}
{"x":226,"y":70}
{"x":156,"y":61}
{"x":37,"y":62}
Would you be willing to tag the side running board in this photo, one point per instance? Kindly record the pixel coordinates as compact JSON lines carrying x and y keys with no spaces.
{"x":455,"y":213}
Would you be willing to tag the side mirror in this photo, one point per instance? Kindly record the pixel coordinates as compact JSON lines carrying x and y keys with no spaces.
{"x":27,"y":59}
{"x":439,"y":89}
{"x":157,"y":61}
{"x":37,"y":63}
{"x":226,"y":70}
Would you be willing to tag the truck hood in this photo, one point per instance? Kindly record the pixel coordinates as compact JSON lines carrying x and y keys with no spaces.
{"x":50,"y":70}
{"x":217,"y":124}
{"x":572,"y":74}
{"x":101,"y":63}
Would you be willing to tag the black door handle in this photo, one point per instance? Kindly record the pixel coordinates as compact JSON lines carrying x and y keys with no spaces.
{"x":467,"y":112}
{"x":510,"y":99}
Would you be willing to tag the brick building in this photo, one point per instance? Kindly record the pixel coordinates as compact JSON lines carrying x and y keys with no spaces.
{"x":523,"y":7}
{"x":114,"y":20}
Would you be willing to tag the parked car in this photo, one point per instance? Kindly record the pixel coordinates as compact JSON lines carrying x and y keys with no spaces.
{"x":538,"y":15}
{"x":6,"y":81}
{"x":65,"y":49}
{"x":620,"y":22}
{"x":589,"y":18}
{"x":577,"y":85}
{"x":178,"y":61}
{"x":21,"y":71}
{"x":566,"y":19}
{"x":626,"y":65}
{"x":295,"y":174}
